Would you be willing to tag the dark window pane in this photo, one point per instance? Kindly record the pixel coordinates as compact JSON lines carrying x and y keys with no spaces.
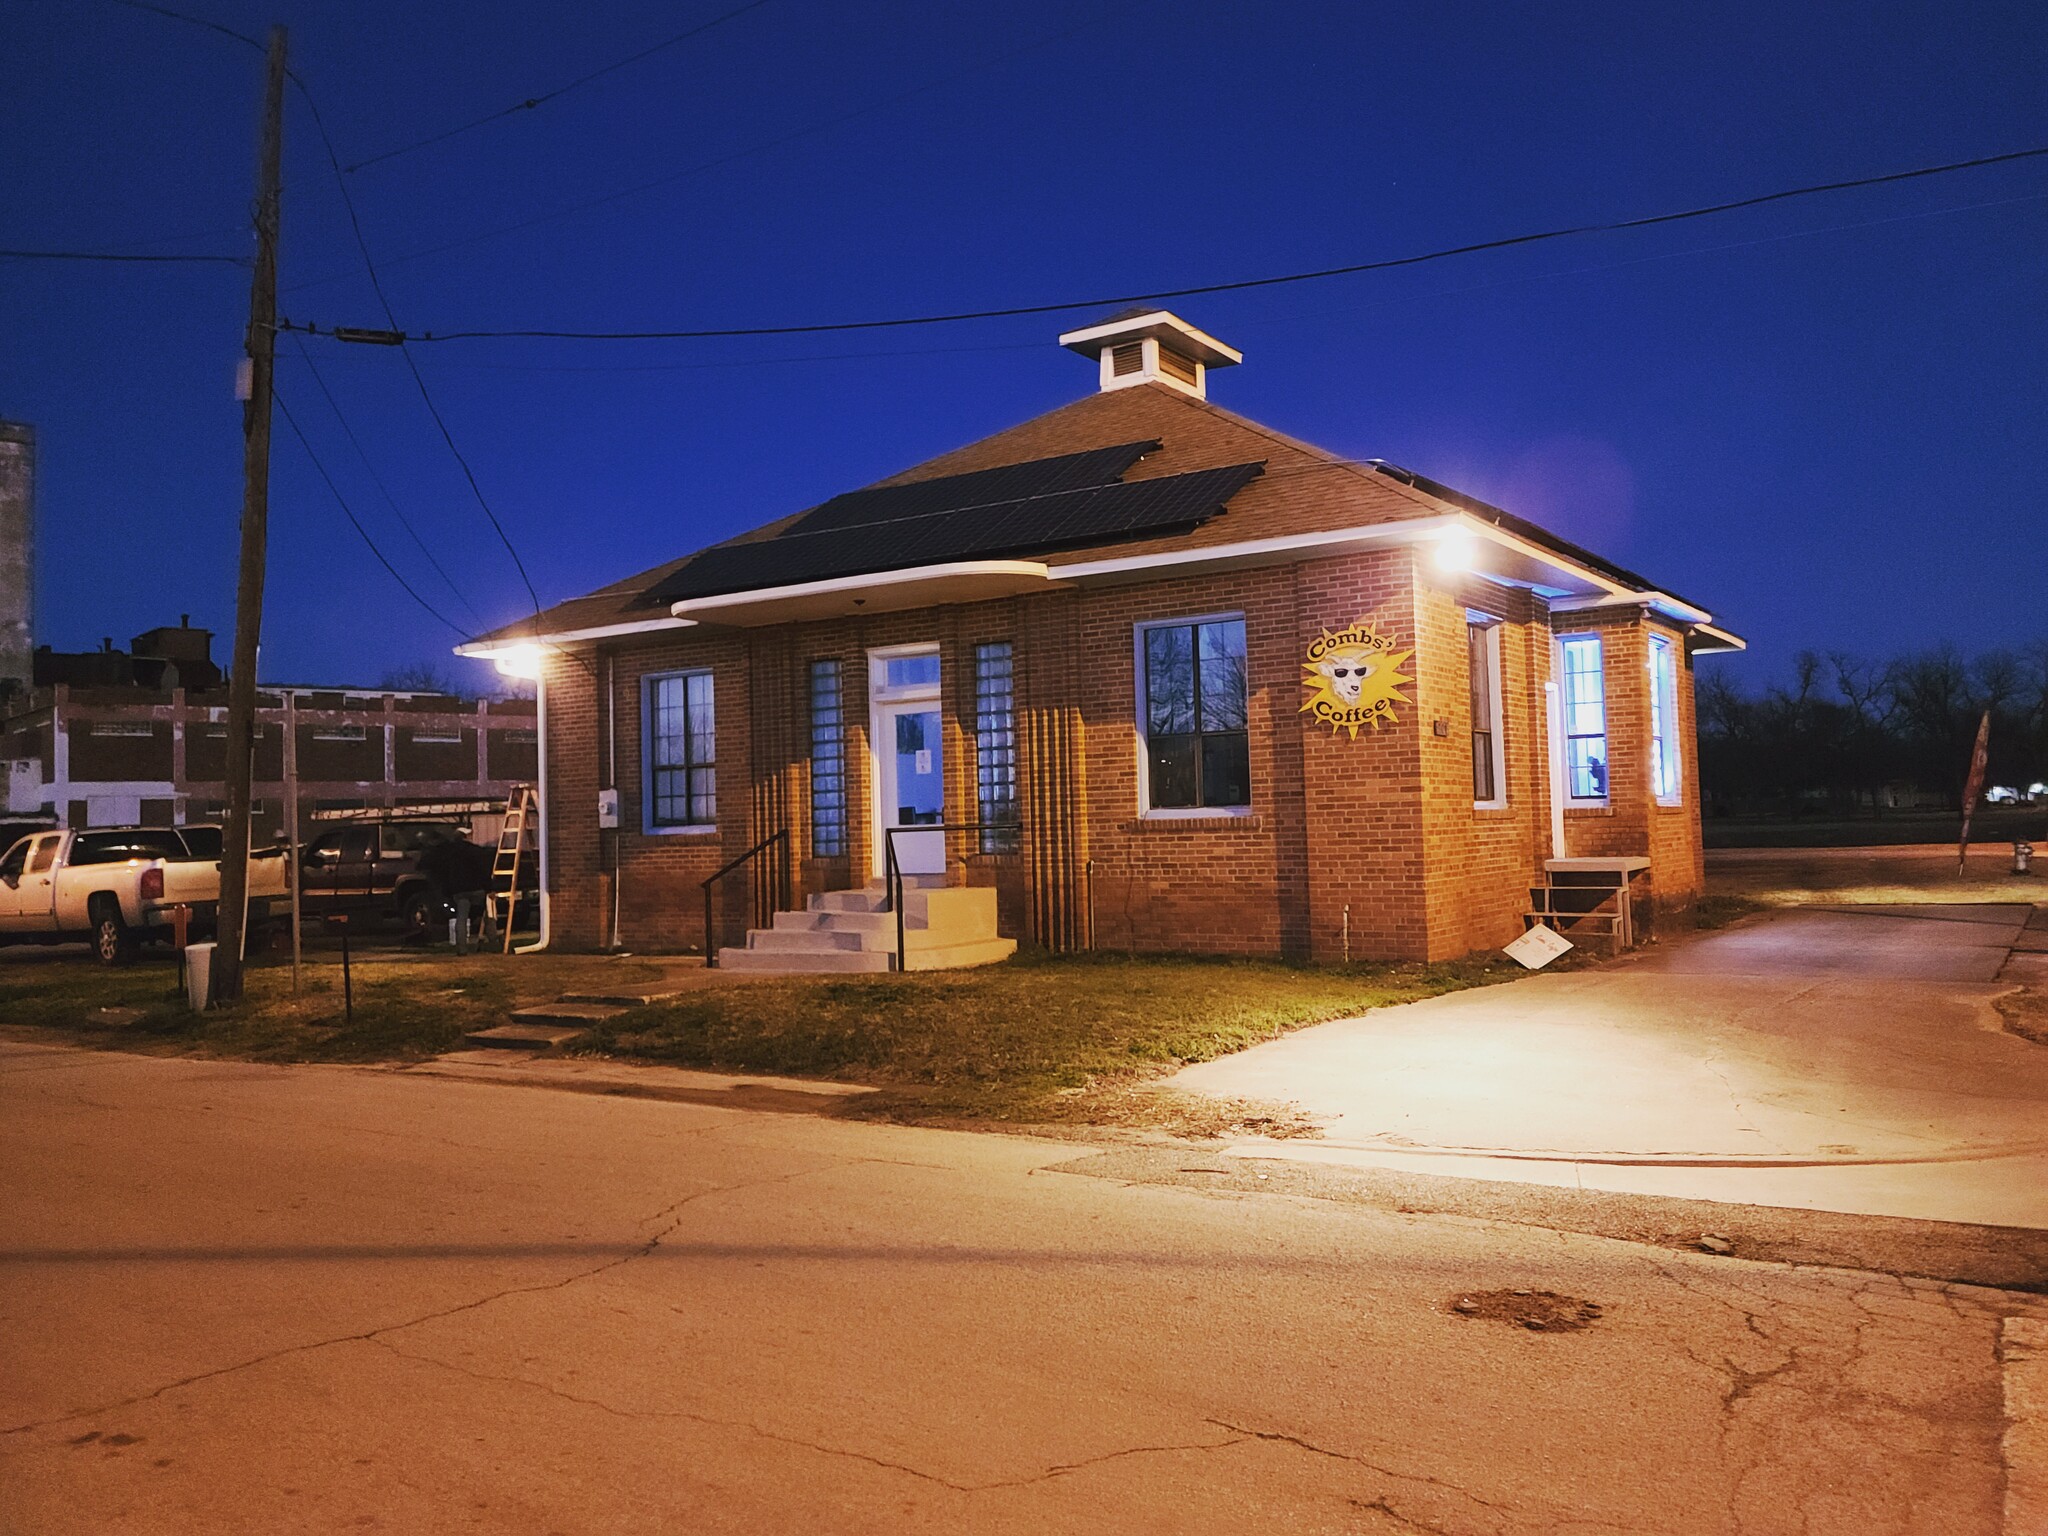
{"x":1226,"y":770}
{"x":1169,"y":680}
{"x":1482,"y":765}
{"x":1173,"y":770}
{"x":1222,"y":681}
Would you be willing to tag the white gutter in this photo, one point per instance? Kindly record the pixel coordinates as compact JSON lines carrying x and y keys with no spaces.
{"x":1028,"y":572}
{"x":493,"y":650}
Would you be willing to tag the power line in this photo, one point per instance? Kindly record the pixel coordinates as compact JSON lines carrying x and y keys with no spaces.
{"x":230,"y":261}
{"x":547,"y":96}
{"x":383,"y":490}
{"x":356,"y":522}
{"x":1241,"y":285}
{"x":715,"y":163}
{"x":377,"y":286}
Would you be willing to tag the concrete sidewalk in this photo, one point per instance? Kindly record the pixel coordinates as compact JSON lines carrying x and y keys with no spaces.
{"x":1833,"y":1058}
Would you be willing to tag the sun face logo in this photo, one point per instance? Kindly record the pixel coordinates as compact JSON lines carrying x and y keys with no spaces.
{"x":1354,"y":678}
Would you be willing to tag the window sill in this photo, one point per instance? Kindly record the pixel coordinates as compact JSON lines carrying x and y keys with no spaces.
{"x":1589,"y":808}
{"x":1195,"y":821}
{"x":1494,"y":807}
{"x":1676,"y":803}
{"x":708,"y":830}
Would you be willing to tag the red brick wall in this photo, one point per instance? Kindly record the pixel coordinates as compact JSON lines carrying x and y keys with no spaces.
{"x":1337,"y":831}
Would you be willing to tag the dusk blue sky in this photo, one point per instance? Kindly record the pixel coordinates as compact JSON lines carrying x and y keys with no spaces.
{"x":1825,"y":420}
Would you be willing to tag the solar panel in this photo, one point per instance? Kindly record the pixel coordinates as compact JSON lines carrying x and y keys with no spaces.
{"x":1035,"y":525}
{"x":981,"y":488}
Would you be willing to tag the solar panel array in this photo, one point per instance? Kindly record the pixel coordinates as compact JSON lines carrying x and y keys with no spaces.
{"x":1029,"y":525}
{"x":982,"y":488}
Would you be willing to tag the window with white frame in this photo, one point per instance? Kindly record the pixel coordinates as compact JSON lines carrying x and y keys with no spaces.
{"x":1585,"y":717}
{"x":1664,"y":774}
{"x":1482,"y":651}
{"x":681,"y":735}
{"x":828,"y":762}
{"x":1192,"y":712}
{"x":995,"y":746}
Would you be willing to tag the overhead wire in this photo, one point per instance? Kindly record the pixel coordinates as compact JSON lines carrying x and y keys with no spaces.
{"x":342,"y":501}
{"x":531,"y":102}
{"x":378,"y":480}
{"x":1506,"y":242}
{"x":230,"y":261}
{"x":703,"y":166}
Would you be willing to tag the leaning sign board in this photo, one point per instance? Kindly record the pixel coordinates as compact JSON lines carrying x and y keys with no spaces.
{"x":1538,"y":947}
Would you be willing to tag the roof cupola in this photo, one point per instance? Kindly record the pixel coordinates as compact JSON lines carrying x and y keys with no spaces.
{"x":1152,"y":346}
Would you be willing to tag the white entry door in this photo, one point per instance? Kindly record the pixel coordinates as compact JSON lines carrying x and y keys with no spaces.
{"x":908,"y":740}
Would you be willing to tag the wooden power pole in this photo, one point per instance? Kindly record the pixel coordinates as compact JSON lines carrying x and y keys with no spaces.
{"x":262,"y":346}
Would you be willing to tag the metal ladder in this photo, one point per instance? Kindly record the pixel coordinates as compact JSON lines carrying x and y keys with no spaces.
{"x":521,"y":806}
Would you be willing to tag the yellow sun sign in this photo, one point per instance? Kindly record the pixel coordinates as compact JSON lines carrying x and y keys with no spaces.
{"x":1354,"y":678}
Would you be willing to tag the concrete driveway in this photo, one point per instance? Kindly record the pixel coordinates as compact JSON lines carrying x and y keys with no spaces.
{"x":1839,"y":1058}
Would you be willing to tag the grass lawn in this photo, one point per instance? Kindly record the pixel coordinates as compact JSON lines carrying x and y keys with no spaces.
{"x":1068,"y":1040}
{"x":1777,"y":877}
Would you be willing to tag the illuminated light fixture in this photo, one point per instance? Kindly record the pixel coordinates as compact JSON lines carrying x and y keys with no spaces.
{"x":1454,"y":551}
{"x":520,"y":661}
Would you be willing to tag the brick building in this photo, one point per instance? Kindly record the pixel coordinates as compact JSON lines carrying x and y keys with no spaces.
{"x":112,"y":737}
{"x":1186,"y":682}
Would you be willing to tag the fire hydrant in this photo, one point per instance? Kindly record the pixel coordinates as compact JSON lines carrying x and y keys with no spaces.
{"x":2022,"y":858}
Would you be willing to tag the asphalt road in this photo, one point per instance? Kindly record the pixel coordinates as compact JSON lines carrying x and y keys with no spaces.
{"x":239,"y":1298}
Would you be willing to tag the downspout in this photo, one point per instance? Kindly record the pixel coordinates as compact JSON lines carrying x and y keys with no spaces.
{"x":611,"y":772}
{"x":540,"y":734}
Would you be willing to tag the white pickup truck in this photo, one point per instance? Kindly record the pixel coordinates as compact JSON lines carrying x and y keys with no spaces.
{"x":116,"y":887}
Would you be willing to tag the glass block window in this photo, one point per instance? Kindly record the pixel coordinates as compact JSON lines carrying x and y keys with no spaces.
{"x":1663,"y":718}
{"x":828,"y":762}
{"x":995,"y":746}
{"x":1197,"y":754}
{"x":681,"y":751}
{"x":1585,"y":717}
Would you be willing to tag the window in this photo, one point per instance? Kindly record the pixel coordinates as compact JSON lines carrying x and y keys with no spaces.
{"x":1482,"y":649}
{"x":141,"y":728}
{"x":911,"y":672}
{"x":340,"y":733}
{"x":1196,"y":751}
{"x":436,"y":736}
{"x":828,"y":762}
{"x":11,"y":866}
{"x":45,"y":855}
{"x":1663,"y":719}
{"x":1585,"y":717}
{"x":995,"y":746}
{"x":681,"y":751}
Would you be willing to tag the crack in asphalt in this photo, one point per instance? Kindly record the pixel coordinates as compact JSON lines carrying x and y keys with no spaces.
{"x":1381,"y":1504}
{"x":849,"y":1453}
{"x":375,"y":1335}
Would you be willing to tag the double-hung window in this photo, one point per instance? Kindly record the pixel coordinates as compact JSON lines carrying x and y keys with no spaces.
{"x":995,"y":746}
{"x":682,"y":752}
{"x":1585,"y":717}
{"x":1664,"y":775}
{"x":828,"y":762}
{"x":1192,"y":710}
{"x":1482,"y":650}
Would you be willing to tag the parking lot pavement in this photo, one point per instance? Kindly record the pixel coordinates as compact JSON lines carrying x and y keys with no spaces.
{"x":1839,"y":1058}
{"x":244,"y":1298}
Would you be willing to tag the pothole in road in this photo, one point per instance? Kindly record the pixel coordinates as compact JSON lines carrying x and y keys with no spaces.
{"x":1537,"y":1311}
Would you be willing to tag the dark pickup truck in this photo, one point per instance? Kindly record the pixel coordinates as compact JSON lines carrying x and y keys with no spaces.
{"x":374,"y":872}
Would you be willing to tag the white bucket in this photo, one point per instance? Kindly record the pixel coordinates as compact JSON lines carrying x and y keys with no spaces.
{"x":199,"y":976}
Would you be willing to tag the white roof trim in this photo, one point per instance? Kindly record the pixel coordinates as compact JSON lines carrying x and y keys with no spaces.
{"x":490,"y":650}
{"x":1025,"y":571}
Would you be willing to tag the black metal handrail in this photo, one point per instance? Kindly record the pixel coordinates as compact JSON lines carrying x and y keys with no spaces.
{"x":778,"y":898}
{"x":892,"y":868}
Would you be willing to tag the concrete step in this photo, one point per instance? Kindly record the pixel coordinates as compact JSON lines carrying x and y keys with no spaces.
{"x":807,"y":940}
{"x":949,"y":957}
{"x":803,"y":961}
{"x":617,"y":999}
{"x":567,"y":1014}
{"x":525,"y":1037}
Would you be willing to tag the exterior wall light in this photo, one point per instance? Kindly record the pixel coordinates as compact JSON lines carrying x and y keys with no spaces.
{"x":1454,"y":551}
{"x":520,"y":661}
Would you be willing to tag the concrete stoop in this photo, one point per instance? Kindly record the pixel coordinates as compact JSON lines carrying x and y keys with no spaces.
{"x":558,"y":1025}
{"x":944,"y":927}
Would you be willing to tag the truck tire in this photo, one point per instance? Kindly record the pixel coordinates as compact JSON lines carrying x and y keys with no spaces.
{"x":416,"y":907}
{"x":113,"y":941}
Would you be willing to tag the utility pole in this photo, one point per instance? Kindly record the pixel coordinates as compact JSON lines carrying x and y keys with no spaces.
{"x":233,"y":911}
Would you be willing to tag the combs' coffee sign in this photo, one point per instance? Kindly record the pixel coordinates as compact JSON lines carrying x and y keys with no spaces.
{"x":1354,"y":678}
